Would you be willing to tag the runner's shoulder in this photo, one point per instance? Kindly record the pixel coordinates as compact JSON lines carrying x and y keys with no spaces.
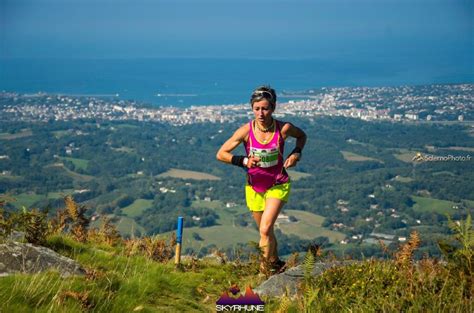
{"x":243,"y":131}
{"x":284,"y":125}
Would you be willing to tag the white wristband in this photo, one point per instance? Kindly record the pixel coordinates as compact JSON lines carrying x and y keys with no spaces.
{"x":246,"y":160}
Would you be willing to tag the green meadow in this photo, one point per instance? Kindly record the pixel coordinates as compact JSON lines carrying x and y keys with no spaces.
{"x":127,"y":226}
{"x":405,"y":155}
{"x":28,"y":199}
{"x":424,"y":204}
{"x":228,"y":233}
{"x":309,"y":226}
{"x":185,"y":174}
{"x":295,"y":175}
{"x":22,"y":134}
{"x":354,"y":157}
{"x":137,"y":207}
{"x":72,"y":174}
{"x":78,"y":163}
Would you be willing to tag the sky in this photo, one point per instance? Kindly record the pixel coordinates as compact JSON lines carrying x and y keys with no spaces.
{"x":354,"y":29}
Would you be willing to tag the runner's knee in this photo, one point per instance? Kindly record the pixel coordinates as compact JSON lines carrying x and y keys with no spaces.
{"x":266,"y":229}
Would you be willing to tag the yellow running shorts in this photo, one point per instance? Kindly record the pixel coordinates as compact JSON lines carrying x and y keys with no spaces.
{"x":256,"y":200}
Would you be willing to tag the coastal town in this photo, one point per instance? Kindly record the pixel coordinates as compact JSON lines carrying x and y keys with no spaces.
{"x":428,"y":103}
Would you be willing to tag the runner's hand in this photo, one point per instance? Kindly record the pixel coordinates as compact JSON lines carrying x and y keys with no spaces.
{"x":291,"y":160}
{"x":253,"y":161}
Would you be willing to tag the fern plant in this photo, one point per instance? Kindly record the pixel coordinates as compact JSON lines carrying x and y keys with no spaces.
{"x":80,"y":222}
{"x":7,"y":219}
{"x":35,"y":225}
{"x":308,"y":266}
{"x":6,"y":225}
{"x":404,"y":256}
{"x":460,"y":253}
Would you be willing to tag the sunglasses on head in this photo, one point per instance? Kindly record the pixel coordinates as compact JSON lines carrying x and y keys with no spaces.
{"x":262,"y":93}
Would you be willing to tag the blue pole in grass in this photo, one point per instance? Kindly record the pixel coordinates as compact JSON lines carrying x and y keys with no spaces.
{"x":179,"y":238}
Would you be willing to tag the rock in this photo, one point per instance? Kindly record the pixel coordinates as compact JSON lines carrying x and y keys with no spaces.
{"x":213,"y":259}
{"x":188,"y":258}
{"x":17,"y":236}
{"x":16,"y":257}
{"x":287,"y":282}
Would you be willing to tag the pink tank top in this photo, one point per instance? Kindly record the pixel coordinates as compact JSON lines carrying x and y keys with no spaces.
{"x":270,"y":171}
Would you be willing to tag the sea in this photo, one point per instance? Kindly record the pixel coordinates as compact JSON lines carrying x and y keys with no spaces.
{"x":185,"y":82}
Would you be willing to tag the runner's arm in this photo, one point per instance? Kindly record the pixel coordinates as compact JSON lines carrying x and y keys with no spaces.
{"x":224,"y":154}
{"x":293,"y":131}
{"x":290,"y":130}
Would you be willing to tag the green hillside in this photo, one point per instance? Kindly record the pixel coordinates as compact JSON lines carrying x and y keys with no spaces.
{"x":228,"y":233}
{"x":309,"y":226}
{"x":139,"y":275}
{"x":353,"y":173}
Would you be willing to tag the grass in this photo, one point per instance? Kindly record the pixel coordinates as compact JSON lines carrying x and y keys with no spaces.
{"x":214,"y":204}
{"x":396,"y":284}
{"x":28,"y":199}
{"x":405,"y":155}
{"x":73,"y":175}
{"x":226,"y":215}
{"x":354,"y":157}
{"x":383,"y":286}
{"x":185,"y":174}
{"x":105,"y":198}
{"x":59,"y":194}
{"x":403,"y":179}
{"x":470,"y":203}
{"x":470,"y":149}
{"x":127,"y":226}
{"x":424,"y":204}
{"x":225,"y":234}
{"x":219,"y":235}
{"x":78,"y":163}
{"x":309,"y":226}
{"x":11,"y":177}
{"x":22,"y":134}
{"x":61,"y":133}
{"x":137,"y":207}
{"x":118,"y":283}
{"x":355,"y":142}
{"x":129,"y":126}
{"x":228,"y":234}
{"x":444,"y":173}
{"x":120,"y":278}
{"x":124,"y":149}
{"x":294,"y":175}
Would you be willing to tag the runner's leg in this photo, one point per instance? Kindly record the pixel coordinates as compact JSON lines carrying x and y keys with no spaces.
{"x":257,"y":216}
{"x":267,"y":236}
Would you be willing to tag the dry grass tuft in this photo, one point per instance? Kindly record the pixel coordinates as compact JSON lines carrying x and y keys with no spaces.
{"x":404,"y":256}
{"x":82,"y":297}
{"x":154,"y":248}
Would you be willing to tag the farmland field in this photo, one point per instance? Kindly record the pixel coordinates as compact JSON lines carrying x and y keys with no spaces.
{"x":137,"y":207}
{"x":294,"y":175}
{"x":433,"y":205}
{"x":405,"y":155}
{"x":350,"y":156}
{"x":78,"y":163}
{"x":309,"y":226}
{"x":184,"y":174}
{"x":23,"y":133}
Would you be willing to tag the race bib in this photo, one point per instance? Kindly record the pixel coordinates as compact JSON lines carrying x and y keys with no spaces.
{"x":268,"y":157}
